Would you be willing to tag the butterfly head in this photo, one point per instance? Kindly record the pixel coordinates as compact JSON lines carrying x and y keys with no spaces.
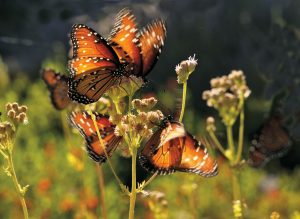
{"x":166,"y":121}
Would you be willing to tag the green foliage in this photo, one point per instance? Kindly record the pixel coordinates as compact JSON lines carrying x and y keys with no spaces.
{"x":61,"y":187}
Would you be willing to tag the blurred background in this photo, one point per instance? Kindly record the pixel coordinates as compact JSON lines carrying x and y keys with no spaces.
{"x":260,"y":37}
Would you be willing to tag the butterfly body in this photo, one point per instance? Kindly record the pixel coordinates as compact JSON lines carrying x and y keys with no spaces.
{"x":172,"y":149}
{"x":98,"y":64}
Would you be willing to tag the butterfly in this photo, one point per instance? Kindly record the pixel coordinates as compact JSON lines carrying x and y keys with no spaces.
{"x":271,"y":141}
{"x":97,"y":63}
{"x":171,"y":148}
{"x":58,"y":87}
{"x":84,"y":123}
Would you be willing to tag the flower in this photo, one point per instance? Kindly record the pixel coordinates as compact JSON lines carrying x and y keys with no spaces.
{"x":185,"y":68}
{"x":17,"y":113}
{"x":145,"y":104}
{"x":210,"y":124}
{"x":227,"y":95}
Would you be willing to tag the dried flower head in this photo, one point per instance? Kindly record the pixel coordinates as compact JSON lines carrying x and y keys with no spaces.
{"x":185,"y":68}
{"x":227,"y":95}
{"x":145,"y":104}
{"x":17,"y":113}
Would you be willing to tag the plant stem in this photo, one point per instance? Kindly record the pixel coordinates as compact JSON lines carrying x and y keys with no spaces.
{"x":216,"y":142}
{"x":117,"y":106}
{"x":102,"y":190}
{"x":17,"y":186}
{"x":129,"y":104}
{"x":236,"y":190}
{"x":183,"y":101}
{"x":230,"y":142}
{"x":241,"y":136}
{"x":149,"y":181}
{"x":104,"y":149}
{"x":133,"y":183}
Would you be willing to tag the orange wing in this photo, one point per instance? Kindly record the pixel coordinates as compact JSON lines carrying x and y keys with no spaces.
{"x":84,"y":123}
{"x":151,"y":42}
{"x":173,"y":149}
{"x":124,"y":41}
{"x":58,"y":87}
{"x":88,"y":43}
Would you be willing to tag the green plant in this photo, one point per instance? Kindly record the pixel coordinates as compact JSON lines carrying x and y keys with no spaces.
{"x":227,"y":96}
{"x":8,"y":130}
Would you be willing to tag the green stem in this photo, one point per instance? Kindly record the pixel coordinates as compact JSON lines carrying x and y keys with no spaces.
{"x":17,"y":186}
{"x":148,"y":181}
{"x":236,"y":190}
{"x":230,"y":142}
{"x":241,"y":137}
{"x":116,"y":102}
{"x":129,"y":104}
{"x":102,"y":190}
{"x":217,"y":143}
{"x":104,"y":149}
{"x":133,"y":183}
{"x":183,"y":101}
{"x":3,"y":154}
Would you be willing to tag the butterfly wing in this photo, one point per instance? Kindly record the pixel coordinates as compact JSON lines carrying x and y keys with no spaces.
{"x":58,"y":87}
{"x":88,"y":88}
{"x":195,"y":158}
{"x":93,"y":67}
{"x":271,"y":141}
{"x":180,"y":152}
{"x":84,"y":123}
{"x":124,"y":41}
{"x":151,"y":42}
{"x":88,"y":43}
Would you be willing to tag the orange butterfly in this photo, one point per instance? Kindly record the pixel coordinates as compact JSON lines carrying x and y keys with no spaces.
{"x":58,"y":87}
{"x":84,"y":123}
{"x":97,"y":64}
{"x":172,"y":149}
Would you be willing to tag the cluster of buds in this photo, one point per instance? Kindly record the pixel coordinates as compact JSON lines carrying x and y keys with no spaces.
{"x":7,"y":133}
{"x":227,"y":95}
{"x":135,"y":127}
{"x":127,"y":87}
{"x":17,"y":113}
{"x":185,"y":68}
{"x":144,"y":105}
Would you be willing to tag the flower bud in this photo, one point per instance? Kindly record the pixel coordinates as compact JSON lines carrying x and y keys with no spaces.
{"x":210,"y":124}
{"x":185,"y":68}
{"x":15,"y":106}
{"x":8,"y":106}
{"x":22,"y":109}
{"x":144,"y":104}
{"x":11,"y":114}
{"x":154,"y":117}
